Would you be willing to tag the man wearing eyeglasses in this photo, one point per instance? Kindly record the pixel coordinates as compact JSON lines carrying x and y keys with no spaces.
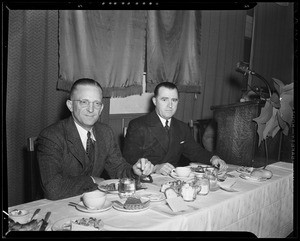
{"x":73,"y":153}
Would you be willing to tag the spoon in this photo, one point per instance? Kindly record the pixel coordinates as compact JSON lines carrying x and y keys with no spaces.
{"x":35,"y":213}
{"x":77,"y":205}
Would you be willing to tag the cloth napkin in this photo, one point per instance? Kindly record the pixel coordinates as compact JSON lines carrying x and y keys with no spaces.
{"x":227,"y":183}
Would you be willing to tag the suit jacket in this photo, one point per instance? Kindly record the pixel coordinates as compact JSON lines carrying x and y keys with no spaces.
{"x":64,"y":166}
{"x":146,"y":137}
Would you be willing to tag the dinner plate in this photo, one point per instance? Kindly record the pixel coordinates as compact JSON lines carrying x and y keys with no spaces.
{"x":107,"y":182}
{"x":119,"y":208}
{"x":65,"y":224}
{"x":196,"y":164}
{"x":107,"y":205}
{"x":244,"y":170}
{"x":228,"y":189}
{"x":251,"y":178}
{"x":152,"y":196}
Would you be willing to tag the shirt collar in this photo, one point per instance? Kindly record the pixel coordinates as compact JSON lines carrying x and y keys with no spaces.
{"x":163,"y":121}
{"x":83,"y":133}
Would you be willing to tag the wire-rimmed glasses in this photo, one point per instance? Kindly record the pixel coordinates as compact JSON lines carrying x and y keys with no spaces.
{"x":86,"y":103}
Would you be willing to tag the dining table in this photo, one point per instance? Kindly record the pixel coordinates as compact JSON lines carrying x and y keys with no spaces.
{"x":262,"y":208}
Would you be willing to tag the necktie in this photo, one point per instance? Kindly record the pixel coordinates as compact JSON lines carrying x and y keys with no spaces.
{"x":167,"y":127}
{"x":90,"y":146}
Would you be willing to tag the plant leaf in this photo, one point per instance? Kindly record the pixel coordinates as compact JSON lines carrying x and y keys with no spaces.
{"x":270,"y":125}
{"x":275,"y":100}
{"x":286,"y":114}
{"x":278,"y":85}
{"x":265,"y":113}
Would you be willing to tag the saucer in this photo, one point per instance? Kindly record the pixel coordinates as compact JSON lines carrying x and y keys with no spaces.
{"x":107,"y":205}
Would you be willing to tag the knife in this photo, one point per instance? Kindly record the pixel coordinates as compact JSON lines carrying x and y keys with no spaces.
{"x":45,"y":222}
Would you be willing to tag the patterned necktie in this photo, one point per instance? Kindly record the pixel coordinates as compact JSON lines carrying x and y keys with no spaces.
{"x":89,"y":146}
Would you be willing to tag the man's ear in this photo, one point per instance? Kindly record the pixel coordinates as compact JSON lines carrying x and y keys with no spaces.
{"x":154,"y":100}
{"x":69,"y":105}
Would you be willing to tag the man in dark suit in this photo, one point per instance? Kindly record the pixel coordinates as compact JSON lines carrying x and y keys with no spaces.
{"x":148,"y":137}
{"x":73,"y":153}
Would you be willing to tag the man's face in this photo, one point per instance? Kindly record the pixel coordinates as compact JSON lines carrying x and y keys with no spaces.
{"x":166,"y":102}
{"x":86,"y":116}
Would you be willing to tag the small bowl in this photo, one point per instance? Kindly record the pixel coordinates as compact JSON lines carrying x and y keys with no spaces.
{"x":20,"y":215}
{"x":94,"y":199}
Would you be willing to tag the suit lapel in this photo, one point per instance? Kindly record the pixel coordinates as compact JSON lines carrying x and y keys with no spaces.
{"x":158,"y":130}
{"x":74,"y":142}
{"x":174,"y":140}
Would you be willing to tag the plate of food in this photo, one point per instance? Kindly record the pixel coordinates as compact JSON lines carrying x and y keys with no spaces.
{"x":244,"y":170}
{"x":81,"y":207}
{"x":109,"y":186}
{"x":152,"y":196}
{"x":249,"y":177}
{"x":132,"y":204}
{"x":78,"y":224}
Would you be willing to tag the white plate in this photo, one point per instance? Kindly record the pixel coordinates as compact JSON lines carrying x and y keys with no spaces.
{"x":251,"y":178}
{"x":107,"y":205}
{"x":228,"y":189}
{"x":152,"y":196}
{"x":106,"y":182}
{"x":190,"y":177}
{"x":65,"y":224}
{"x":129,"y":210}
{"x":195,"y":164}
{"x":245,"y":170}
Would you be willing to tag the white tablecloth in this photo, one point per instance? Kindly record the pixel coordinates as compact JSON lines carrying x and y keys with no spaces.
{"x":263,"y":208}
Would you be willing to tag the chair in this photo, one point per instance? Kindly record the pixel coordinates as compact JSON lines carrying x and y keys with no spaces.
{"x":33,"y":189}
{"x":198,"y":128}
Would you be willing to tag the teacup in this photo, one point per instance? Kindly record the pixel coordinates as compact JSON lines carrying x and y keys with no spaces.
{"x":182,"y":171}
{"x":94,"y":199}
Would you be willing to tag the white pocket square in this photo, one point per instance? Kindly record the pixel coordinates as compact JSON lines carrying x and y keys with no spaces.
{"x":182,"y":142}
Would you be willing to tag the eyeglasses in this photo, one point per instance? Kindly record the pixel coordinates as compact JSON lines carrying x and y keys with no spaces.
{"x":86,"y":103}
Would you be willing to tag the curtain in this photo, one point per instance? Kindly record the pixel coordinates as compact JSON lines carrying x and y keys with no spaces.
{"x":173,"y":49}
{"x":222,"y":46}
{"x":273,"y":43}
{"x":108,"y":46}
{"x":33,"y":101}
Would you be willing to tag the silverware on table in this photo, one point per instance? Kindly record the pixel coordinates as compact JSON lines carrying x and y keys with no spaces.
{"x":35,"y":213}
{"x":77,"y":205}
{"x":45,"y":222}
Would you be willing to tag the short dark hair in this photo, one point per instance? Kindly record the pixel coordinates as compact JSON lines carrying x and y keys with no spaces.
{"x":168,"y":85}
{"x":84,"y":81}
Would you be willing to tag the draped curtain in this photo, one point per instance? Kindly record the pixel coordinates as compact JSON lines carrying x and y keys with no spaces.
{"x":273,"y":43}
{"x":222,"y":46}
{"x":173,"y":49}
{"x":108,"y":46}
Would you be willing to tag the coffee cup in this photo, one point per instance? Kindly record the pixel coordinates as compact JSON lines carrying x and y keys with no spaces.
{"x":182,"y":171}
{"x":94,"y":199}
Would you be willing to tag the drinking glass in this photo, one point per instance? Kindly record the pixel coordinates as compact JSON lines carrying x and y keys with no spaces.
{"x":126,"y":187}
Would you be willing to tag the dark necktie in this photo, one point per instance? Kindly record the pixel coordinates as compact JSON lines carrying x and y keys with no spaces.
{"x":167,"y":127}
{"x":90,"y":146}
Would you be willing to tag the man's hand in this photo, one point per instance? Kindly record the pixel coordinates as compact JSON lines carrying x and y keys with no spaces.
{"x":164,"y":169}
{"x":218,"y":162}
{"x":143,"y":167}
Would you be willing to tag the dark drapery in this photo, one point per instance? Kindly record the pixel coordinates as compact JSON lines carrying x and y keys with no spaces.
{"x":108,"y":46}
{"x":173,"y":49}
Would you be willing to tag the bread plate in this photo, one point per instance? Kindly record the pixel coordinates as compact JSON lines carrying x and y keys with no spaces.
{"x":103,"y":186}
{"x":65,"y":224}
{"x":248,"y":177}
